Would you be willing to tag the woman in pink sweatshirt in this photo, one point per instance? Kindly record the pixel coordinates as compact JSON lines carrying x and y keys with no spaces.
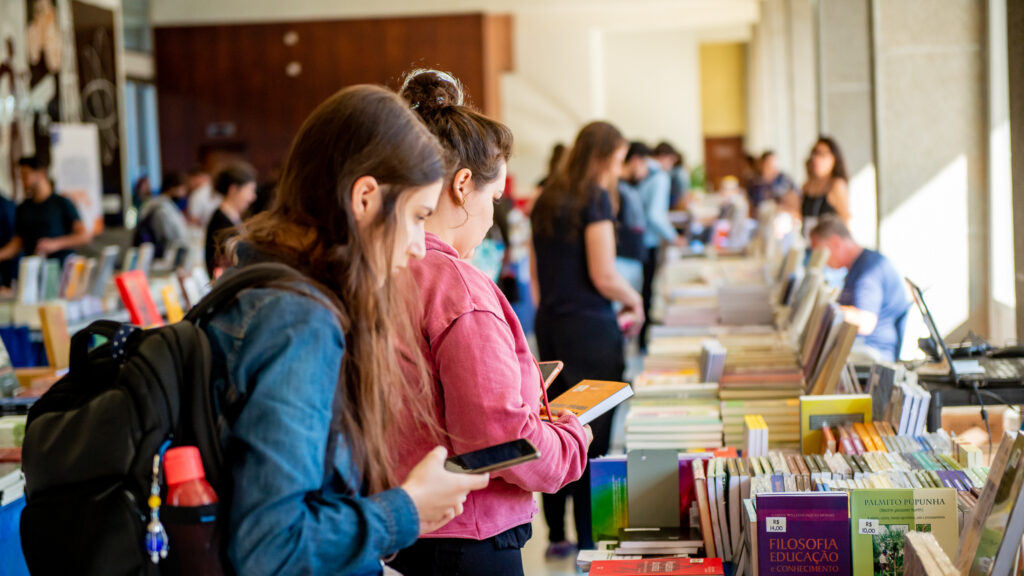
{"x":489,"y":388}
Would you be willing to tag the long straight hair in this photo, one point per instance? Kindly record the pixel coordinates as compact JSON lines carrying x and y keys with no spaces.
{"x":569,"y":189}
{"x":360,"y":131}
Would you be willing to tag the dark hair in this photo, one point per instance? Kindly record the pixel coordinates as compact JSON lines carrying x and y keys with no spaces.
{"x":637,"y":149}
{"x":767,"y":154}
{"x":839,"y":167}
{"x":831,"y":225}
{"x":234,"y":174}
{"x":557,"y":155}
{"x":571,"y":188}
{"x":33,"y":163}
{"x":470,"y":139}
{"x":171,"y":179}
{"x":360,"y":131}
{"x":665,"y":149}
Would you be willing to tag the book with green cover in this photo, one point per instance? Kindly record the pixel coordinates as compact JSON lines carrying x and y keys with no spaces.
{"x":879,"y":519}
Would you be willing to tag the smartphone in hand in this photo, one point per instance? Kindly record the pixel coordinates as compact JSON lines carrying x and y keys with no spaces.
{"x":493,"y":458}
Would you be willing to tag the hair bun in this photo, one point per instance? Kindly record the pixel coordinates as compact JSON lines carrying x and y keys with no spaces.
{"x":428,"y":91}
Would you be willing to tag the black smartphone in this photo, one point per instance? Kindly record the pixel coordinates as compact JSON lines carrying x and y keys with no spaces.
{"x":492,"y":458}
{"x":550,"y":370}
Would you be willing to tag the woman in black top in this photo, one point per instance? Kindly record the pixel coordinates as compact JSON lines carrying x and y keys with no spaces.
{"x":575,"y":281}
{"x":237,"y":183}
{"x":825,"y":191}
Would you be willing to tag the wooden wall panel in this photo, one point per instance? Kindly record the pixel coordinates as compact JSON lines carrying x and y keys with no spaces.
{"x":213,"y":78}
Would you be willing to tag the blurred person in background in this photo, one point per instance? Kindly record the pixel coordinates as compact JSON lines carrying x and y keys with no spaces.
{"x":826,"y":190}
{"x":672,"y":162}
{"x":202,"y":199}
{"x":237,"y":185}
{"x":770,"y":184}
{"x":161,"y":221}
{"x":575,"y":281}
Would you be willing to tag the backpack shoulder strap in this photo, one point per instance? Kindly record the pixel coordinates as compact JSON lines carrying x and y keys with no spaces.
{"x":228,"y":286}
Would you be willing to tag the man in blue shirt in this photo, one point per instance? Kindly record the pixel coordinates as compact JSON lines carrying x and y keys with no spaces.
{"x":874,"y":296}
{"x":653,"y":186}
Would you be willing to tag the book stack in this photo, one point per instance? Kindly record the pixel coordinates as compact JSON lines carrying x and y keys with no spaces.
{"x":923,"y":556}
{"x":678,"y":424}
{"x":898,"y":399}
{"x":728,"y":482}
{"x":679,"y":384}
{"x":745,"y":305}
{"x":712,"y":361}
{"x":755,"y":436}
{"x":781,"y":415}
{"x":12,"y":483}
{"x":659,"y":542}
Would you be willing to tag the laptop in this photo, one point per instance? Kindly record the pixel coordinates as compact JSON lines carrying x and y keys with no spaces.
{"x":980,"y":370}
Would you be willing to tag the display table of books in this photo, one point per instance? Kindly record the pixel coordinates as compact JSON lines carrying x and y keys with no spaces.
{"x":830,"y":478}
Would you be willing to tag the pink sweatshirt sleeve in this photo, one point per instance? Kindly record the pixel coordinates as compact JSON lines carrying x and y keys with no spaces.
{"x":484,"y":403}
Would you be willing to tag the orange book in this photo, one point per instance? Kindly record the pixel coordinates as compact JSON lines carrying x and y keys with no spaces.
{"x":884,"y":428}
{"x":828,"y":439}
{"x":75,"y":279}
{"x":875,"y":436}
{"x":55,"y":336}
{"x":592,"y":398}
{"x":850,"y":441}
{"x":865,"y":437}
{"x":700,"y":486}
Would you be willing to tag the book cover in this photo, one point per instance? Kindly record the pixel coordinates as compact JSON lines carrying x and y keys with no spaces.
{"x":8,"y":381}
{"x":642,"y":538}
{"x":172,"y":303}
{"x":104,"y":272}
{"x":700,"y":486}
{"x":995,"y":526}
{"x":807,"y":533}
{"x":55,"y":336}
{"x":659,"y":567}
{"x":590,"y":399}
{"x":137,"y":299}
{"x":653,"y":488}
{"x":51,"y":280}
{"x":880,"y":518}
{"x":833,"y":411}
{"x":608,"y":497}
{"x":687,"y":486}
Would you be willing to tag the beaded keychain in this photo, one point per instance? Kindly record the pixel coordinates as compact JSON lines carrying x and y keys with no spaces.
{"x":156,"y":537}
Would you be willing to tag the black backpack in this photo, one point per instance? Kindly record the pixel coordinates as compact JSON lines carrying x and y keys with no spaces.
{"x":90,"y":441}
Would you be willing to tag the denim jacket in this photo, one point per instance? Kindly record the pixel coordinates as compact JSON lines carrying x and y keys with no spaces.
{"x":282,"y":351}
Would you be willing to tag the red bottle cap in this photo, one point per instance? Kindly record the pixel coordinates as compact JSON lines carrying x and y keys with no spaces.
{"x":182,"y":464}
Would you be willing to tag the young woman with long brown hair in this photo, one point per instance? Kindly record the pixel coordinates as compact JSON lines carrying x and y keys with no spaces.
{"x":575,"y":282}
{"x":317,"y":364}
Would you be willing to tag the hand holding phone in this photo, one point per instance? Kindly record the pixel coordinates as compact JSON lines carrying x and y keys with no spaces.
{"x":493,"y":458}
{"x":437,"y":493}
